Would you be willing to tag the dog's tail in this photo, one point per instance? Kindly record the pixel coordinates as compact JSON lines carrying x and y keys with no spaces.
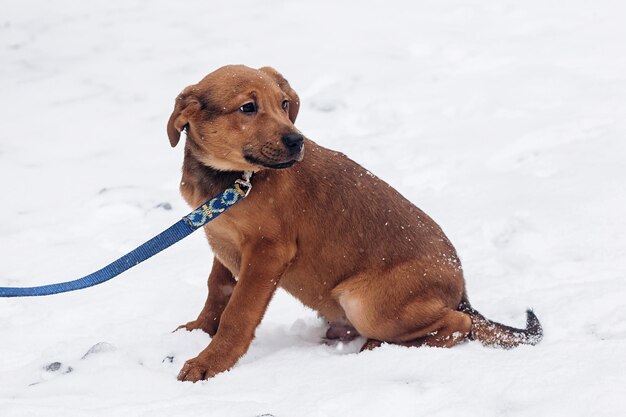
{"x":493,"y":334}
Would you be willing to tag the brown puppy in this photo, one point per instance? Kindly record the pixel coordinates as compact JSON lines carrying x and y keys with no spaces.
{"x":318,"y":225}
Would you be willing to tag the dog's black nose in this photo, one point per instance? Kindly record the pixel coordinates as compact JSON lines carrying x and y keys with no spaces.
{"x":293,"y":141}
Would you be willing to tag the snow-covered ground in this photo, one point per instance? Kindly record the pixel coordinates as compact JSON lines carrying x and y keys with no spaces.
{"x":504,"y":120}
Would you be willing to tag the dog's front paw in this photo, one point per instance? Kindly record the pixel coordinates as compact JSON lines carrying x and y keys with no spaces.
{"x":207,"y":326}
{"x":192,"y":325}
{"x":197,"y":369}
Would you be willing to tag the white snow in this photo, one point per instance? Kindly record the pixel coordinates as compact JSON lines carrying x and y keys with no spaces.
{"x":504,"y":120}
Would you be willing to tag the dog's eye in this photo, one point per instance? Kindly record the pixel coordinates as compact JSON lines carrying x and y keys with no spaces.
{"x":285,"y":104}
{"x":248,"y":108}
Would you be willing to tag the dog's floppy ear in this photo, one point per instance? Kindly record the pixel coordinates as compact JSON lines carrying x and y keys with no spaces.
{"x":294,"y":100}
{"x":186,"y":104}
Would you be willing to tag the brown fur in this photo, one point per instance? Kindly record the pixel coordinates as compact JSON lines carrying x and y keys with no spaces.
{"x":326,"y":230}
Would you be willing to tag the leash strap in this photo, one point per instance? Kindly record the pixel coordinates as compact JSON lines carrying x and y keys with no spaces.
{"x":183,"y":228}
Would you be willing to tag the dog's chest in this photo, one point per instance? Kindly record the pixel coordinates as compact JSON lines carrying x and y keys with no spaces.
{"x":226,"y":249}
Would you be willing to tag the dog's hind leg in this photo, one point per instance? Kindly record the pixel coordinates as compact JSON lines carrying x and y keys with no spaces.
{"x":221,"y":284}
{"x":451,"y":329}
{"x":371,"y":344}
{"x":344,"y":332}
{"x":407,"y":305}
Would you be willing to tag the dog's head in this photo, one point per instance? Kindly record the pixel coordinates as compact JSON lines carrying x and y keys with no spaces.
{"x":239,"y":119}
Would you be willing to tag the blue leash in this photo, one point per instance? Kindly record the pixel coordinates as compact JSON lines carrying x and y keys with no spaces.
{"x":183,"y":228}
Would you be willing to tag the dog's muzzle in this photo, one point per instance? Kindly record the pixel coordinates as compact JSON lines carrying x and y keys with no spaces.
{"x":294,"y":142}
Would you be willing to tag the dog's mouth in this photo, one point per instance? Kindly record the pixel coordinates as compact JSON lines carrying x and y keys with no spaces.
{"x":282,"y":165}
{"x":269,"y":155}
{"x":269,"y":164}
